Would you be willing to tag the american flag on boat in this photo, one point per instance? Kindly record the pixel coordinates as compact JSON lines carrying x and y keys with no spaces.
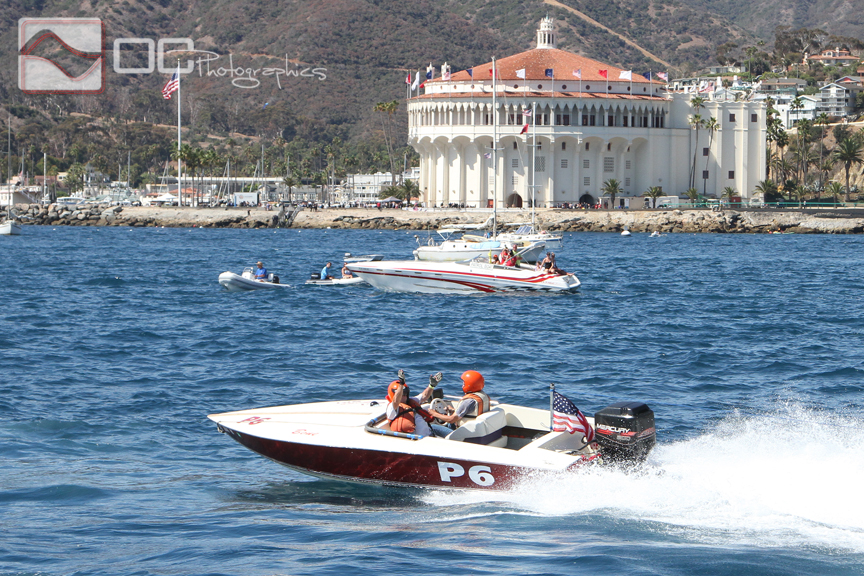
{"x":566,"y":417}
{"x":172,"y":86}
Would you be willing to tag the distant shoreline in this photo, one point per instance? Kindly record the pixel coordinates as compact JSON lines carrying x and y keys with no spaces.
{"x":747,"y":221}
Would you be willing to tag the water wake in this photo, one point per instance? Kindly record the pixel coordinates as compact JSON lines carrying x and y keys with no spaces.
{"x":788,"y":478}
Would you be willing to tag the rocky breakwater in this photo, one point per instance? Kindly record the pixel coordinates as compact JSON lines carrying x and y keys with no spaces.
{"x":665,"y":221}
{"x":706,"y":221}
{"x":107,"y":215}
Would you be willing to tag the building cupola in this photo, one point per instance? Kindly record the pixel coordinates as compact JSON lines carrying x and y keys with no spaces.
{"x":546,"y":33}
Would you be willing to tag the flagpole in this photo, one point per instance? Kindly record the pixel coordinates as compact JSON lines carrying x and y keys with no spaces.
{"x":179,"y":143}
{"x":551,"y":405}
{"x":533,"y":163}
{"x":494,"y":151}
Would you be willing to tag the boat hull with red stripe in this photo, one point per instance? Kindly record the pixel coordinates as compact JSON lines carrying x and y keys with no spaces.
{"x":351,"y":440}
{"x":460,"y":277}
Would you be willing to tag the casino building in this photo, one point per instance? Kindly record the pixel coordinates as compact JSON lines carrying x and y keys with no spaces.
{"x":593,"y":122}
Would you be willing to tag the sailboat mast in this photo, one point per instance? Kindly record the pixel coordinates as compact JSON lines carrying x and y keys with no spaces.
{"x":494,"y":150}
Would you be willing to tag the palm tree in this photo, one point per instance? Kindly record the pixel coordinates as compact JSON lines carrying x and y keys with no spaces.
{"x":711,"y":125}
{"x":728,"y":193}
{"x":822,"y":121}
{"x":768,"y":189}
{"x":319,"y":179}
{"x":693,"y":195}
{"x":834,"y":189}
{"x":695,"y":121}
{"x":612,"y":187}
{"x":850,"y":152}
{"x":389,"y":108}
{"x":653,"y":193}
{"x":210,"y":160}
{"x":291,"y":181}
{"x":412,"y":189}
{"x":825,"y":169}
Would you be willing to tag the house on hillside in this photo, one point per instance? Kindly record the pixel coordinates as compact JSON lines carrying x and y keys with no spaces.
{"x":835,"y":57}
{"x":773,"y":86}
{"x":838,"y":98}
{"x":556,"y":126}
{"x":790,"y":115}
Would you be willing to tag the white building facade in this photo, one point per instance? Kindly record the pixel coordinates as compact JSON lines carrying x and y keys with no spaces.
{"x":591,"y":122}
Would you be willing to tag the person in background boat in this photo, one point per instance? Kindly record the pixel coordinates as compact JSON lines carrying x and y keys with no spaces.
{"x":405,"y":412}
{"x":502,"y":257}
{"x":325,"y":272}
{"x":547,"y":263}
{"x":474,"y":403}
{"x":346,"y":273}
{"x":555,"y":269}
{"x":261,"y":272}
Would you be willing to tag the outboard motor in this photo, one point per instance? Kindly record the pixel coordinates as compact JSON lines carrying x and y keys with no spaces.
{"x":625,"y":431}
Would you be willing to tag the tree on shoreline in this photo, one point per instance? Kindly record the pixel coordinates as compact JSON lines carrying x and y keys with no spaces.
{"x":849,"y":152}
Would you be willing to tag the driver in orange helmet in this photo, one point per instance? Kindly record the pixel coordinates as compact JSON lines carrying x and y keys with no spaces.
{"x":474,"y":403}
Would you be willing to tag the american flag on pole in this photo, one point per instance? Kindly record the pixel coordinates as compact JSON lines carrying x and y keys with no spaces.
{"x":566,"y":417}
{"x":172,"y":86}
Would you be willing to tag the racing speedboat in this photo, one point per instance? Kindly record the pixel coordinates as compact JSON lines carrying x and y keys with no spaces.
{"x":352,"y":441}
{"x":246,"y":281}
{"x":475,"y":275}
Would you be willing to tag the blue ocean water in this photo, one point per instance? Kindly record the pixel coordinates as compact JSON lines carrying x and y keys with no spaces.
{"x":116,"y":343}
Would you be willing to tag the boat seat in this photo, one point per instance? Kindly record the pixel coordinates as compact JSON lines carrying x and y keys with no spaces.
{"x":485,"y":429}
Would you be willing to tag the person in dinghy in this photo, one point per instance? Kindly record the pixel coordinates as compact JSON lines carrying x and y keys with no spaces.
{"x":405,"y":412}
{"x":474,"y":403}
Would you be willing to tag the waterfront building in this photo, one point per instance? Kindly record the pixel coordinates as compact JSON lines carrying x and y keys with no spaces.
{"x":593,"y":122}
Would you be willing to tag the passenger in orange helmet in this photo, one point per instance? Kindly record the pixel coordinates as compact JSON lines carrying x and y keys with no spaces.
{"x":474,"y":403}
{"x":405,"y":412}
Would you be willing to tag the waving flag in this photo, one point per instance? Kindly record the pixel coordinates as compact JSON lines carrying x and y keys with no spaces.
{"x":647,"y":76}
{"x":549,"y":73}
{"x":172,"y":86}
{"x":603,"y":73}
{"x":470,"y":72}
{"x":566,"y":417}
{"x":663,"y":76}
{"x":626,"y":75}
{"x":520,"y":73}
{"x":526,"y":112}
{"x":416,"y":81}
{"x":408,"y":79}
{"x":578,"y":73}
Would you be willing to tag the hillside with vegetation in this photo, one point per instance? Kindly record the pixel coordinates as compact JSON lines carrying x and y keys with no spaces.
{"x":340,"y":117}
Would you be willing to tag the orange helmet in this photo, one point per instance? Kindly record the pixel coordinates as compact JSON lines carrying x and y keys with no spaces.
{"x":391,"y":389}
{"x":473,"y":381}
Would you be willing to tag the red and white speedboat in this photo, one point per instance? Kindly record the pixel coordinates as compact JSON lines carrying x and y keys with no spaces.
{"x":352,"y":441}
{"x":476,"y":275}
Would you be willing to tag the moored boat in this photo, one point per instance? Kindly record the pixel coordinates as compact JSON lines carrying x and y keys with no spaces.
{"x":470,"y":246}
{"x":468,"y":276}
{"x":527,"y":233}
{"x":352,"y":441}
{"x":10,"y":228}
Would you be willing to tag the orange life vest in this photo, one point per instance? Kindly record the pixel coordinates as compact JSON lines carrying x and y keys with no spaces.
{"x":482,"y":400}
{"x":404,"y":420}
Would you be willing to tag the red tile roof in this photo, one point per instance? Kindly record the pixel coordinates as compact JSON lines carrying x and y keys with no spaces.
{"x":534,"y":94}
{"x":537,"y":61}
